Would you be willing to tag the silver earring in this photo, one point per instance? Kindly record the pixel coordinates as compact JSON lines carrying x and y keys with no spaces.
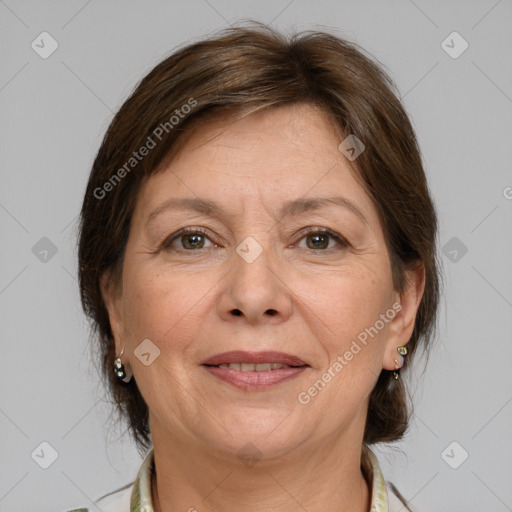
{"x":403,"y":352}
{"x":121,"y":372}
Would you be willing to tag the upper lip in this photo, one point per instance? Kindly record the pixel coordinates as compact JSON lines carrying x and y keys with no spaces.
{"x":240,"y":356}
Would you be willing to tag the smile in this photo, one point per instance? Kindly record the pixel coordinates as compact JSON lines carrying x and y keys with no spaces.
{"x":254,"y":371}
{"x":254,"y":377}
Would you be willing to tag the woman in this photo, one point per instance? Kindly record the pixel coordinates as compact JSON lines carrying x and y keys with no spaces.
{"x":257,"y":255}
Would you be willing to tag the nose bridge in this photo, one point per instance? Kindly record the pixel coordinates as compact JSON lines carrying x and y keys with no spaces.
{"x":255,"y":290}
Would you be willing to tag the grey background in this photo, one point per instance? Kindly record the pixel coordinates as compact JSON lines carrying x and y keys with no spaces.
{"x":54,"y":113}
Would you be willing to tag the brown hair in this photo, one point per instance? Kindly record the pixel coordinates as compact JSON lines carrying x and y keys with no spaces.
{"x":242,"y":70}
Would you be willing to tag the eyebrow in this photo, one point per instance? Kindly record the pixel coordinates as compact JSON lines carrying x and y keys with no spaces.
{"x":295,"y":207}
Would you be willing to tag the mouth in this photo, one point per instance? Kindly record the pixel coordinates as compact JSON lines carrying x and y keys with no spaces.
{"x":254,"y":370}
{"x":252,"y":367}
{"x":241,"y":357}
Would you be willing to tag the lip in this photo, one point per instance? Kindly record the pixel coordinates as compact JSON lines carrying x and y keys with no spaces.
{"x":254,"y":380}
{"x":240,"y":356}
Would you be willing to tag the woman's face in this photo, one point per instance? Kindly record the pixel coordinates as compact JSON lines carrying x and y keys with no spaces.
{"x":257,"y":274}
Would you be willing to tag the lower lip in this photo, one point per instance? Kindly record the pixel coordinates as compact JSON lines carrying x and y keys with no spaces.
{"x":257,"y":381}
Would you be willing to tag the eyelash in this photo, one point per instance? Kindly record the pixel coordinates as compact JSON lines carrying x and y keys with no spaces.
{"x":315,"y":230}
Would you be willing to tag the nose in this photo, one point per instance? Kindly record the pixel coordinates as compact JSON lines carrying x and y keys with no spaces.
{"x":255,"y":292}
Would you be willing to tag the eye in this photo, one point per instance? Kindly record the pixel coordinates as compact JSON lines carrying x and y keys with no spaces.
{"x":190,"y":239}
{"x":318,"y":238}
{"x":193,"y":239}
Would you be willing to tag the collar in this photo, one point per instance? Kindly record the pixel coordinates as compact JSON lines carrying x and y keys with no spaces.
{"x":141,"y":500}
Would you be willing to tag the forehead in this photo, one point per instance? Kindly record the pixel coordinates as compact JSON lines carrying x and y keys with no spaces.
{"x":271,"y":157}
{"x":271,"y":133}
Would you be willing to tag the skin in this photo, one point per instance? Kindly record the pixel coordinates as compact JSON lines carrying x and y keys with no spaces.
{"x":183,"y":299}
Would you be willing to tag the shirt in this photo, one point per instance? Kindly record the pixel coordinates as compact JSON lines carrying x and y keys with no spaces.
{"x":137,"y":497}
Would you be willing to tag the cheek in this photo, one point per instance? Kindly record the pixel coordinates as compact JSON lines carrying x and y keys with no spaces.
{"x":147,"y":309}
{"x":347,"y":309}
{"x":164,"y":308}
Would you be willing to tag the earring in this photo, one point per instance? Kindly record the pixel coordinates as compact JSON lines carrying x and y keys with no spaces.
{"x":403,"y":352}
{"x":120,"y":371}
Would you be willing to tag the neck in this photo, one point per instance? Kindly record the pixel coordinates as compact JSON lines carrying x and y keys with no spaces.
{"x":314,"y":478}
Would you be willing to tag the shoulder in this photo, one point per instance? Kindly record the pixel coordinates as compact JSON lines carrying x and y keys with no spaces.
{"x":117,"y":501}
{"x":129,"y":496}
{"x":396,"y":502}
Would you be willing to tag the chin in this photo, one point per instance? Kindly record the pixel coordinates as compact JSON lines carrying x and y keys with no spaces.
{"x":264,"y":436}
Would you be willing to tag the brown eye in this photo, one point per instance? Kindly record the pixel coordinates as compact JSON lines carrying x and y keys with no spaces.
{"x":319,"y":239}
{"x":188,"y":239}
{"x":192,"y":241}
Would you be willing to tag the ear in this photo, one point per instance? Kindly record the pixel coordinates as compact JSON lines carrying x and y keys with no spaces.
{"x":401,"y":327}
{"x":112,"y":299}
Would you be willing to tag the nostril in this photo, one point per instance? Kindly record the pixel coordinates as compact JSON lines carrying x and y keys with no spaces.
{"x":271,"y":312}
